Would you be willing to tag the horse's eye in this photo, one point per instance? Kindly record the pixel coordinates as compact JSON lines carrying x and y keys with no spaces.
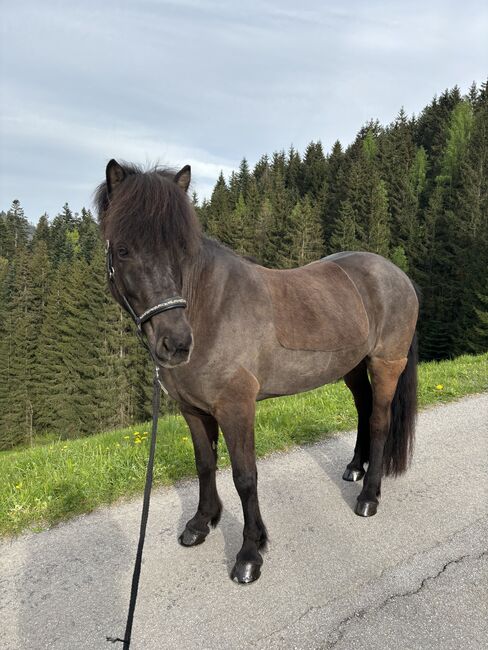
{"x":122,"y":251}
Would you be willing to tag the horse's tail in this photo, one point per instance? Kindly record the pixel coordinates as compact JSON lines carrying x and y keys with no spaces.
{"x":400,"y":441}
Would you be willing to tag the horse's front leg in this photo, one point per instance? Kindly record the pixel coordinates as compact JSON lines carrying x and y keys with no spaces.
{"x":205,"y":432}
{"x":235,"y":412}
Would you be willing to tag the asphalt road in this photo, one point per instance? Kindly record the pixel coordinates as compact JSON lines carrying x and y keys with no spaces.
{"x":414,"y":576}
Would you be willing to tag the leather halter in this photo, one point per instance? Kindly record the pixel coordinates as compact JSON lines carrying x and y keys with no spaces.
{"x":169,"y":303}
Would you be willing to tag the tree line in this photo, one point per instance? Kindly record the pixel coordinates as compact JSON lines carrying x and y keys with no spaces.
{"x":415,"y":191}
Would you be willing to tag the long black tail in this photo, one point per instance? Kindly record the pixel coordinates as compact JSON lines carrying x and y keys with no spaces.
{"x":400,"y":442}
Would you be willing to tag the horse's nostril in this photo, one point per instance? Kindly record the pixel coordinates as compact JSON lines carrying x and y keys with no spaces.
{"x":167,"y":345}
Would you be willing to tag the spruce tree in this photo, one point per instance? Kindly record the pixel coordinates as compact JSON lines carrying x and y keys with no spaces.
{"x":335,"y":182}
{"x":219,"y":208}
{"x":264,"y":248}
{"x":19,"y":345}
{"x":379,"y":220}
{"x":14,"y":231}
{"x":307,"y":243}
{"x":347,"y":234}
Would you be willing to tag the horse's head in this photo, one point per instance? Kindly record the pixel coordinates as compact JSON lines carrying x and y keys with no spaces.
{"x":150,"y":229}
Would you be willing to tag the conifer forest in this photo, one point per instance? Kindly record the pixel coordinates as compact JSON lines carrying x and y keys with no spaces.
{"x":415,"y":191}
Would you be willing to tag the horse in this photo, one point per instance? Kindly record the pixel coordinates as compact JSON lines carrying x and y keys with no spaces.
{"x":226,"y":332}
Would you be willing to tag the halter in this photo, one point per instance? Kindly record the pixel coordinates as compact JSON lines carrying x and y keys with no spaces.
{"x":170,"y":303}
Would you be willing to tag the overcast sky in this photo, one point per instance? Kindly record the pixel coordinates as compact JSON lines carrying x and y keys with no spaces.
{"x":208,"y":82}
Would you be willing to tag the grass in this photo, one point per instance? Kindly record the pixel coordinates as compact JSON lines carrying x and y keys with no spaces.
{"x":45,"y":484}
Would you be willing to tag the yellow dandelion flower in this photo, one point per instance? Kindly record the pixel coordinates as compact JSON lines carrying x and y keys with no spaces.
{"x":126,"y":437}
{"x":18,"y":486}
{"x":439,"y":387}
{"x":136,"y":433}
{"x":138,"y":441}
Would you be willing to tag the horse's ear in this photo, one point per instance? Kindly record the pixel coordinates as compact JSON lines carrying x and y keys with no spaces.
{"x":115,"y":174}
{"x":183,"y":177}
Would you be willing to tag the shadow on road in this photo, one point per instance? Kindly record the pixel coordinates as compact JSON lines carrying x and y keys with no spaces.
{"x":332,"y":459}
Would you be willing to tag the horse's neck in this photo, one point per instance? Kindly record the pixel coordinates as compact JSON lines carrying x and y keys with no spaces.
{"x":204,"y":275}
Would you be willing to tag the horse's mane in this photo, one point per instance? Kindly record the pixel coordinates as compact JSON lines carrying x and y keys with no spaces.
{"x":149,"y":208}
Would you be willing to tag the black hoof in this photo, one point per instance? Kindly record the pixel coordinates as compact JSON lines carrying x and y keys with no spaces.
{"x":353,"y":474}
{"x":366,"y":508}
{"x":245,"y":572}
{"x":191,"y":537}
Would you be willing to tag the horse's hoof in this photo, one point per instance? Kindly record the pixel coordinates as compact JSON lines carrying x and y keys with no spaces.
{"x":353,"y":474}
{"x":191,"y":537}
{"x":366,"y":508}
{"x":245,"y":572}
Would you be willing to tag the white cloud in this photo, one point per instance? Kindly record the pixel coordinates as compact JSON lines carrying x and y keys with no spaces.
{"x":207,"y":83}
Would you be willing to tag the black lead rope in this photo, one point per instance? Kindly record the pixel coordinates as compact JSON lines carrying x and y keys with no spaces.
{"x":174,"y":302}
{"x":144,"y":517}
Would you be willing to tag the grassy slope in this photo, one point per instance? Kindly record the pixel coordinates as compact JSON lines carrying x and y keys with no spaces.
{"x":45,"y":484}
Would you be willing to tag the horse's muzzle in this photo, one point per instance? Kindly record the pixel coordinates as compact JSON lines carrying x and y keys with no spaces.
{"x":173,"y":351}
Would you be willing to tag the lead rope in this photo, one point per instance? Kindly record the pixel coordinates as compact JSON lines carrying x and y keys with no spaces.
{"x":157,"y":385}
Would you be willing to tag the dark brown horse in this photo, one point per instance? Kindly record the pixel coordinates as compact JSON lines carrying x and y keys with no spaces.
{"x":249,"y":333}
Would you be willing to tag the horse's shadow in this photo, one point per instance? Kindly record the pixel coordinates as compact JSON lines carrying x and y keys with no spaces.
{"x":332,"y":457}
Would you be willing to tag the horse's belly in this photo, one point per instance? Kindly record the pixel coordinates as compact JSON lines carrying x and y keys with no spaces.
{"x":293,"y":371}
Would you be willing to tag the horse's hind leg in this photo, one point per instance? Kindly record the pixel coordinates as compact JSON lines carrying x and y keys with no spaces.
{"x":235,"y":413}
{"x":358,"y":383}
{"x":205,"y":432}
{"x":384,"y":376}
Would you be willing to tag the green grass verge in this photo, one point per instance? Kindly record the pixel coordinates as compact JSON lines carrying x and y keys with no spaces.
{"x":42,"y":485}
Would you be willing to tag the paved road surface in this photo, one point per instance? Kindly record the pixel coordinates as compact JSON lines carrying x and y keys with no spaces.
{"x":414,"y":576}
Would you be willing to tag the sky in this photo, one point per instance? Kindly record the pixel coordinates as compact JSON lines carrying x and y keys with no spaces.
{"x":207,"y":83}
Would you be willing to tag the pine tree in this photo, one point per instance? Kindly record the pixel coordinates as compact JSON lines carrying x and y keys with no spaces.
{"x":478,"y":339}
{"x":6,"y":287}
{"x":17,"y":356}
{"x":379,"y":220}
{"x":42,"y":231}
{"x":280,"y":234}
{"x":314,"y":170}
{"x":244,"y":178}
{"x":459,"y":133}
{"x":219,"y":209}
{"x":262,"y":174}
{"x":264,"y":248}
{"x":307,"y":238}
{"x":294,"y":173}
{"x":63,"y":242}
{"x":347,"y":234}
{"x":335,"y":182}
{"x":469,"y":202}
{"x":89,"y":236}
{"x":14,"y":231}
{"x":236,"y":230}
{"x":53,"y":381}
